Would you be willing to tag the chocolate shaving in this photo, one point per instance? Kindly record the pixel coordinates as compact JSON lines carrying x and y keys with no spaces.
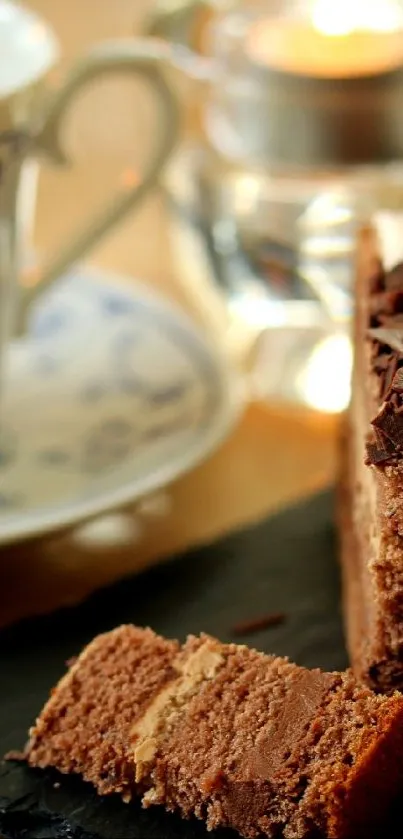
{"x":397,"y":384}
{"x":377,"y":281}
{"x":397,"y":403}
{"x":383,"y":418}
{"x":392,"y":338}
{"x":385,"y":443}
{"x":258,"y":624}
{"x":382,"y":362}
{"x":386,"y":303}
{"x":388,"y":378}
{"x":392,"y":321}
{"x":394,"y":278}
{"x":390,"y":423}
{"x":379,"y":450}
{"x":15,"y":754}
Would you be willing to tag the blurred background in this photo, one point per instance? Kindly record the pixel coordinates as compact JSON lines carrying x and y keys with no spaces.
{"x":104,"y":122}
{"x":250,"y":230}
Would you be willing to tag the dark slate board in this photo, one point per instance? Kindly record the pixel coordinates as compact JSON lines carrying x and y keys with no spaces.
{"x":286,"y":563}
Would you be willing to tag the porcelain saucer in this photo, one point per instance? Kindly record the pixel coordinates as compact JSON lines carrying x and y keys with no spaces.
{"x":112,"y":394}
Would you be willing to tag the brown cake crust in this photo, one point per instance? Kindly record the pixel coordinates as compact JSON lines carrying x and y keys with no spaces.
{"x":371,"y":510}
{"x":225,"y":733}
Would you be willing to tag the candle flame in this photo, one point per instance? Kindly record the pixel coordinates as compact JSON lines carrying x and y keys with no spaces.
{"x":338,"y":18}
{"x":332,"y":18}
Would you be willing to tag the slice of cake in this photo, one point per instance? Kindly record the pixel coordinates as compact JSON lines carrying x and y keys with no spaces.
{"x":225,"y":733}
{"x":372,"y":486}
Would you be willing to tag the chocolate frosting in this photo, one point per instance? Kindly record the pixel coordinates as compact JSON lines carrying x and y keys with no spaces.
{"x":385,"y":333}
{"x":306,"y":693}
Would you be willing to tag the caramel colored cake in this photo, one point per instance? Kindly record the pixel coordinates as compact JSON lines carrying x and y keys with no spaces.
{"x":372,"y":492}
{"x":222,"y":732}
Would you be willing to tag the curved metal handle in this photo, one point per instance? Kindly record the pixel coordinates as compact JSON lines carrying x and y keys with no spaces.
{"x":176,"y":20}
{"x":144,"y":57}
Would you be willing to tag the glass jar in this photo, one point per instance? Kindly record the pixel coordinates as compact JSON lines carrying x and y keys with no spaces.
{"x":302,"y":138}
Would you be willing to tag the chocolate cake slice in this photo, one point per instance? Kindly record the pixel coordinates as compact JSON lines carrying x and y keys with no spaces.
{"x":225,"y":733}
{"x":371,"y":510}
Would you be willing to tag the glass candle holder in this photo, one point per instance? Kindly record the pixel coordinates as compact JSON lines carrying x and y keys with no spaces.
{"x":305,"y":127}
{"x":303,"y":138}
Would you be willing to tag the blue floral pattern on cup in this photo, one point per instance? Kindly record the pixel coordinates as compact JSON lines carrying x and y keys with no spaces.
{"x":110,"y":383}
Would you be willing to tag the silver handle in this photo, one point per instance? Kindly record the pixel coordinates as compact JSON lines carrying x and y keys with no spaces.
{"x":147,"y":58}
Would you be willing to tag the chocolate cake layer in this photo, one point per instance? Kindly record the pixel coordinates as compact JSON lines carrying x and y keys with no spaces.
{"x":86,"y":724}
{"x":232,"y":736}
{"x":372,"y":509}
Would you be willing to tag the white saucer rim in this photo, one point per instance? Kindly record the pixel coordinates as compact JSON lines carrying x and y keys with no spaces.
{"x":35,"y":525}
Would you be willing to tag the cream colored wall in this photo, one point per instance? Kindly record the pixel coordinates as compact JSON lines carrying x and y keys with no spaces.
{"x":106,"y":133}
{"x":106,"y":118}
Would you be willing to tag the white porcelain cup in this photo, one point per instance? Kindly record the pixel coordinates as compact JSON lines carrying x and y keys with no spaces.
{"x":31,"y":116}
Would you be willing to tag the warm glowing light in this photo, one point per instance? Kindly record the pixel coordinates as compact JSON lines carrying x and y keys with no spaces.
{"x":334,"y":18}
{"x":339,"y":18}
{"x":339,"y":39}
{"x":324,"y":384}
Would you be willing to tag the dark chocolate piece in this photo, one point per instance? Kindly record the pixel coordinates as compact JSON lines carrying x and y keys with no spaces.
{"x":380,"y":450}
{"x":306,"y":694}
{"x":390,"y":423}
{"x":397,"y":383}
{"x":250,"y":627}
{"x":382,"y":362}
{"x":394,"y":278}
{"x":387,"y":378}
{"x":15,"y":754}
{"x":385,"y":303}
{"x":392,"y":338}
{"x":392,"y":321}
{"x":377,"y":281}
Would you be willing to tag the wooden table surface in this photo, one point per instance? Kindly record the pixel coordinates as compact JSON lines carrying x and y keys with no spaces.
{"x":274,"y":456}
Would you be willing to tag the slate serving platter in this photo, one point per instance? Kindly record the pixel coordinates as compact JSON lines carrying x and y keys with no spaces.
{"x":285,"y":564}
